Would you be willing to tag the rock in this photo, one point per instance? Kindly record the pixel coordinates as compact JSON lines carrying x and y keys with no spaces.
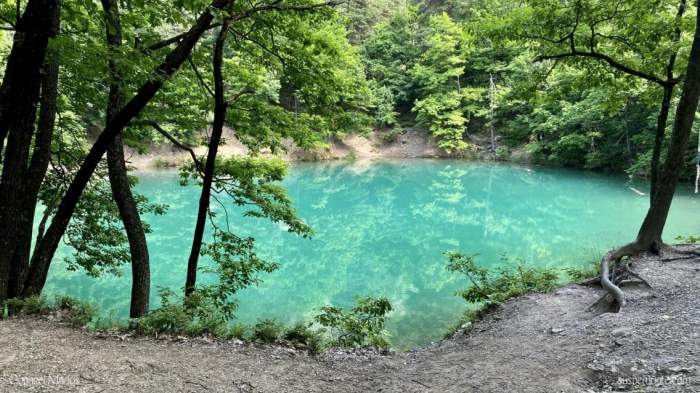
{"x":679,"y":369}
{"x":622,"y":332}
{"x":554,"y":330}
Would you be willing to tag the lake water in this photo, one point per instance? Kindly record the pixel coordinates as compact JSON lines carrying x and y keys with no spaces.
{"x":381,"y":229}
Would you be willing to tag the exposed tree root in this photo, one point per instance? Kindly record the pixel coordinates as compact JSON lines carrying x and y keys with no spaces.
{"x":614,"y":299}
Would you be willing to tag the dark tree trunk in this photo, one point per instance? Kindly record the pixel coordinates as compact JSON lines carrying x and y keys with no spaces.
{"x":118,"y":176}
{"x":649,"y":236}
{"x":19,"y":99}
{"x":41,"y":260}
{"x":659,"y":140}
{"x":220,"y":107}
{"x":665,"y":106}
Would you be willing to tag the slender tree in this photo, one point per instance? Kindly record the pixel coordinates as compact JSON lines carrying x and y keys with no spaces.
{"x":220,"y":107}
{"x":46,"y":247}
{"x":41,"y":260}
{"x":118,"y":176}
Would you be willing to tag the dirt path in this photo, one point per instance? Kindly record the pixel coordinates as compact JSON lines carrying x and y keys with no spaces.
{"x":536,"y":343}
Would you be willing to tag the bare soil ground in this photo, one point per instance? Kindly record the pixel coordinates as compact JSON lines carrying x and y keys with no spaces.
{"x":535,"y":343}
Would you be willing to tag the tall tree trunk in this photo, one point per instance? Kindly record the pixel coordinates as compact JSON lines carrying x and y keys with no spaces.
{"x":665,"y":106}
{"x":19,"y":99}
{"x":649,"y":236}
{"x":118,"y":176}
{"x":659,"y":140}
{"x":45,"y":251}
{"x":220,"y":107}
{"x":652,"y":228}
{"x":39,"y":164}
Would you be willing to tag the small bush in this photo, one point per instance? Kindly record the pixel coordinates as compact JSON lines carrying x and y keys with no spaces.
{"x":488,"y":290}
{"x":79,"y":313}
{"x":688,"y":239}
{"x":303,"y":334}
{"x":502,"y":153}
{"x":238,"y":331}
{"x":110,"y":323}
{"x":267,"y":331}
{"x":393,"y":134}
{"x":169,"y":318}
{"x":28,"y":306}
{"x":583,"y":273}
{"x":362,"y":326}
{"x":507,"y":283}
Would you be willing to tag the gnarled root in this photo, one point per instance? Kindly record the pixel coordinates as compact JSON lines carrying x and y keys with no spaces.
{"x":614,"y":299}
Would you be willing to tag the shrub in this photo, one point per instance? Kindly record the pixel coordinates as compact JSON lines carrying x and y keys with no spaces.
{"x":111,"y":323}
{"x":238,"y":331}
{"x":688,"y":239}
{"x":362,"y":326}
{"x":502,"y":153}
{"x":267,"y":331}
{"x":507,"y":283}
{"x":28,"y":306}
{"x":169,"y":318}
{"x":79,"y":313}
{"x":488,"y":290}
{"x":582,"y":273}
{"x":392,"y":135}
{"x":303,"y":334}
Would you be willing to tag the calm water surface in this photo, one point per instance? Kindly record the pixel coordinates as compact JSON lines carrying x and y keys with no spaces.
{"x":381,"y":229}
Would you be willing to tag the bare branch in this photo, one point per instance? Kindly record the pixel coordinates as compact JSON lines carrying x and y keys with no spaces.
{"x":612,"y":62}
{"x":199,"y":76}
{"x":169,"y":137}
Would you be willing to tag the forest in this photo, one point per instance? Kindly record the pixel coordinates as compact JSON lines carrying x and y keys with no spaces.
{"x":530,"y":92}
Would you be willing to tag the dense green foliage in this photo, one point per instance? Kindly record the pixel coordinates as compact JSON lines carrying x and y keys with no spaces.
{"x":362,"y":325}
{"x":495,"y":288}
{"x":437,"y":60}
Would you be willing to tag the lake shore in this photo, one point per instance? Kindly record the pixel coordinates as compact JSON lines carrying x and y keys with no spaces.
{"x":534,"y":343}
{"x":412,"y":143}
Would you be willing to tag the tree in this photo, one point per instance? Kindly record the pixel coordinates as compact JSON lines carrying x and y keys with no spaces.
{"x":609,"y":33}
{"x":220,"y":107}
{"x":45,"y":250}
{"x":597,"y":31}
{"x":24,"y":89}
{"x":304,"y":58}
{"x":444,"y":100}
{"x":118,"y":177}
{"x":649,"y":236}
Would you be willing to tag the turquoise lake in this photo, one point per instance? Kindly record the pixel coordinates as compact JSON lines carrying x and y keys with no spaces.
{"x":381,"y":229}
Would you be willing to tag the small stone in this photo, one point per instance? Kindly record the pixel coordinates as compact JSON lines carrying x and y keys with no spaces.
{"x":622,"y":332}
{"x":554,"y":330}
{"x":679,"y":369}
